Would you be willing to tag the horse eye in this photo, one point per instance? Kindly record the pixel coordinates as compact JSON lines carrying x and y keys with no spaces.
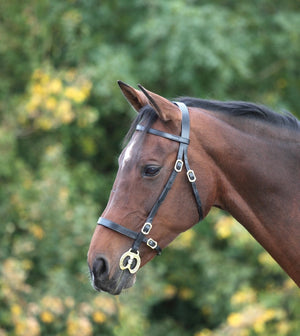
{"x":151,"y":171}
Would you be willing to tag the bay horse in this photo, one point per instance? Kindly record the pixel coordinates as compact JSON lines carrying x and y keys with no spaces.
{"x":183,"y":158}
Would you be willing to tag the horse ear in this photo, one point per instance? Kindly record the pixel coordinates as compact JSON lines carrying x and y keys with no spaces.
{"x":135,"y":97}
{"x":165,"y":109}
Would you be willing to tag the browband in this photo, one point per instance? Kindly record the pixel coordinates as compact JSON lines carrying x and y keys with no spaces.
{"x":166,"y":135}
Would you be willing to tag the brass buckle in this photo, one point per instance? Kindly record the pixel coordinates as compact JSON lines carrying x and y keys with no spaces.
{"x":152,"y":243}
{"x":178,"y":166}
{"x":191,"y":175}
{"x":132,"y":256}
{"x":146,"y":228}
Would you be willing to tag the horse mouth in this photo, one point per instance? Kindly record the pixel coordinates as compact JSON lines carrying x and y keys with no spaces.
{"x":115,"y":285}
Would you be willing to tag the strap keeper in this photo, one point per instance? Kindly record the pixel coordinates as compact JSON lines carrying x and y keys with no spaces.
{"x":191,"y":175}
{"x":152,"y":243}
{"x":146,"y":228}
{"x":178,"y":165}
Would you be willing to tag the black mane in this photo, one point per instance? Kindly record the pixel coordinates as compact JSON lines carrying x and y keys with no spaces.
{"x":245,"y":109}
{"x":147,"y":115}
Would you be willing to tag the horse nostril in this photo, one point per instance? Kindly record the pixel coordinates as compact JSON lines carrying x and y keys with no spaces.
{"x":100,"y":268}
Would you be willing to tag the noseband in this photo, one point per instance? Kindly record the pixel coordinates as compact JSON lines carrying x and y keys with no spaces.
{"x":131,"y":259}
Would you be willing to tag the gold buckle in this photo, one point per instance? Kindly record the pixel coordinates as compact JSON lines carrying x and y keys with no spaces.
{"x":146,"y":230}
{"x":191,"y":175}
{"x":152,"y":243}
{"x":130,"y":265}
{"x":178,"y":166}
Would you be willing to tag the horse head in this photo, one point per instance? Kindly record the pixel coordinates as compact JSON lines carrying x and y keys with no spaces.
{"x":145,"y":167}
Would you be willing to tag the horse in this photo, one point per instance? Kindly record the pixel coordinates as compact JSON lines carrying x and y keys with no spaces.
{"x":186,"y":156}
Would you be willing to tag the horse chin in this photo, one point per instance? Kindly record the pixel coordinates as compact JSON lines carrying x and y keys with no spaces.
{"x":120,"y":281}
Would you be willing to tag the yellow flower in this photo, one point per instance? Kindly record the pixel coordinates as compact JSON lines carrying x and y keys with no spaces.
{"x":45,"y":78}
{"x":106,"y":304}
{"x":99,"y":317}
{"x":55,"y":86}
{"x":32,"y":105}
{"x":224,"y":227}
{"x":20,"y":328}
{"x":79,"y":327}
{"x":290,"y":284}
{"x":86,"y":88}
{"x":29,"y":326}
{"x":85,"y":327}
{"x":53,"y":304}
{"x":16,"y":310}
{"x":85,"y":308}
{"x":53,"y":152}
{"x":269,"y":314}
{"x":70,"y":75}
{"x":235,"y":319}
{"x":69,"y":302}
{"x":64,"y":112}
{"x":44,"y":123}
{"x":37,"y":231}
{"x":63,"y":194}
{"x":186,"y":293}
{"x":32,"y":327}
{"x":27,"y":264}
{"x":47,"y":317}
{"x":184,"y":240}
{"x":170,"y":291}
{"x":265,"y":259}
{"x":259,"y":326}
{"x":71,"y":327}
{"x":246,"y":295}
{"x":204,"y":332}
{"x":75,"y":94}
{"x":38,"y":90}
{"x":37,"y":74}
{"x":50,"y":103}
{"x":283,"y":327}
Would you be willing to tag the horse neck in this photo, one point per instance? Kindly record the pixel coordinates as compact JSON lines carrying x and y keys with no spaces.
{"x":257,"y":182}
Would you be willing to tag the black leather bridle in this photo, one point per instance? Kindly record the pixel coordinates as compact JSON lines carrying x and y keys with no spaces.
{"x":131,"y":260}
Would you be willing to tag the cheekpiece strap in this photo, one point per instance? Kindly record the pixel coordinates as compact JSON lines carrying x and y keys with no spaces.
{"x":182,"y":159}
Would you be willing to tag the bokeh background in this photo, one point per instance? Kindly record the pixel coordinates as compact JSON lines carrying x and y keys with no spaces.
{"x":63,"y":119}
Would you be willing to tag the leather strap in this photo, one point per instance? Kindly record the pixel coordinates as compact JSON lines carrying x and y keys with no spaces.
{"x":182,"y":155}
{"x":185,"y":132}
{"x":124,"y":231}
{"x":166,"y":135}
{"x":182,"y":159}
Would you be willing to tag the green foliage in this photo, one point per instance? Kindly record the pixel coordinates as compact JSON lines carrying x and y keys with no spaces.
{"x":62,"y":123}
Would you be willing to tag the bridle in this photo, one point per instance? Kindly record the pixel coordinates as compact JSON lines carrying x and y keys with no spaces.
{"x":131,"y":259}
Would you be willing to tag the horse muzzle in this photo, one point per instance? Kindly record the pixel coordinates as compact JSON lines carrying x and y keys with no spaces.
{"x":113,"y":284}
